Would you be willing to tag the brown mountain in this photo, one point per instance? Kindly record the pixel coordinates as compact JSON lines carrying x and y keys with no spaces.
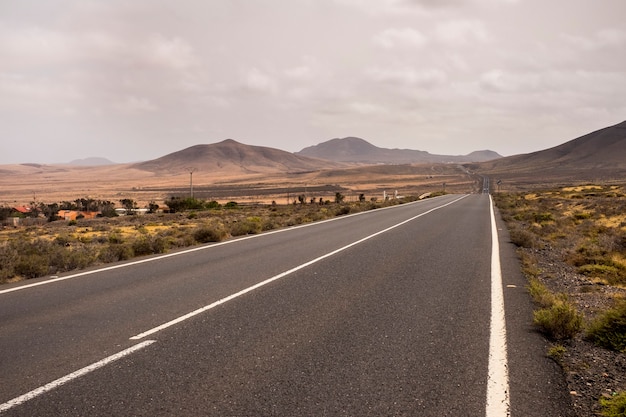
{"x":233,"y":157}
{"x":597,"y":155}
{"x":357,"y":150}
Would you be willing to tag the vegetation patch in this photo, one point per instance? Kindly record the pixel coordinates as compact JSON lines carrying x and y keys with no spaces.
{"x":560,"y":321}
{"x":609,"y":329}
{"x":614,"y":406}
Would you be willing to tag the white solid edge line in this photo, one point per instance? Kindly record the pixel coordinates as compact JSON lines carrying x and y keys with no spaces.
{"x":279,"y":276}
{"x":74,"y":375}
{"x":182,"y":252}
{"x":498,"y":401}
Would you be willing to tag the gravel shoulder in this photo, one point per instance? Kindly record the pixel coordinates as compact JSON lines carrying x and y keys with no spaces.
{"x":591,"y":372}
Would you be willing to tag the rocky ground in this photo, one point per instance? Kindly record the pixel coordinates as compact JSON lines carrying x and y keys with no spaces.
{"x":591,"y":372}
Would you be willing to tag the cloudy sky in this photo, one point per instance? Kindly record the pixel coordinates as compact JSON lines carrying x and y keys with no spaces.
{"x":135,"y":80}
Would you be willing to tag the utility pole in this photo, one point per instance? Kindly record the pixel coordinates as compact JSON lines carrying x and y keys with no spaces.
{"x":191,"y":171}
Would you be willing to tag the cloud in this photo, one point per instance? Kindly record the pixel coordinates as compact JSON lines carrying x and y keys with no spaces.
{"x":258,"y":81}
{"x":407,"y":76}
{"x":462,"y":32}
{"x":133,"y":105}
{"x":34,"y":46}
{"x":404,"y":37}
{"x":172,"y":52}
{"x":604,"y":38}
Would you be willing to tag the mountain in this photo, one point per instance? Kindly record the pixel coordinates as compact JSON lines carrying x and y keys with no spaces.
{"x":234,"y":157}
{"x":93,"y":161}
{"x":357,"y":150}
{"x":599,"y":154}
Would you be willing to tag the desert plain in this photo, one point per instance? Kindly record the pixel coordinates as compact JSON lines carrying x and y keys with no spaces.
{"x":26,"y":183}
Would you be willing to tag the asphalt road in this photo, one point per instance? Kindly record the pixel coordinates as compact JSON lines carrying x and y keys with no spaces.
{"x":385,"y":313}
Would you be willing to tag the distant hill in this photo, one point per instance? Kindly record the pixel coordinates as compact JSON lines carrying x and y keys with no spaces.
{"x":358,"y":150}
{"x":92,"y":162}
{"x":234,"y":157}
{"x":597,"y":155}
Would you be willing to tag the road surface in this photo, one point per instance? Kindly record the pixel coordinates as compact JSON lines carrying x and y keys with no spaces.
{"x":393,"y":312}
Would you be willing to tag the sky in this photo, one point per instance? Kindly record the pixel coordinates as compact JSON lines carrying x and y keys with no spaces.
{"x":133,"y":80}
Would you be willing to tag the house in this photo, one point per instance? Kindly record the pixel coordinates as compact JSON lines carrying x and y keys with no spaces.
{"x":76,"y":214}
{"x":15,"y":216}
{"x":23,"y":210}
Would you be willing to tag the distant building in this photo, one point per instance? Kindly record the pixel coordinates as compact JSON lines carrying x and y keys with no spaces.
{"x":24,"y":210}
{"x":76,"y":214}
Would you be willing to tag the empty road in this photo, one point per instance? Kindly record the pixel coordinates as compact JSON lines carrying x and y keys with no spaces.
{"x":415,"y":310}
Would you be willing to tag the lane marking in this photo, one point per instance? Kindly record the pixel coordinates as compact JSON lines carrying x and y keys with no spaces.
{"x":186,"y":251}
{"x":498,"y":401}
{"x":74,"y":375}
{"x":281,"y":275}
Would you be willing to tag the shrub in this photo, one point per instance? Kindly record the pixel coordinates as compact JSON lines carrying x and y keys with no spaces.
{"x":523,"y":238}
{"x":540,"y":293}
{"x":556,"y":353}
{"x":543,"y":217}
{"x":8,"y":258}
{"x":147,"y":245}
{"x":614,"y":406}
{"x":609,"y":329}
{"x":560,"y":321}
{"x":205,"y":234}
{"x":601,"y":270}
{"x":114,"y":252}
{"x":250,"y":226}
{"x":31,"y":266}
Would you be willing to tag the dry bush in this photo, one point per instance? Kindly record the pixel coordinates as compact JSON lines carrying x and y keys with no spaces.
{"x":560,"y":321}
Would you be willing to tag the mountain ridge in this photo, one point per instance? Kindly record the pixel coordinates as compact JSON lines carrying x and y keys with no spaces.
{"x":598,"y":154}
{"x":356,"y":150}
{"x":230,"y":155}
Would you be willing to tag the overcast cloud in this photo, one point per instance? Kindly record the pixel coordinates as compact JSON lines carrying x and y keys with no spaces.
{"x":135,"y":80}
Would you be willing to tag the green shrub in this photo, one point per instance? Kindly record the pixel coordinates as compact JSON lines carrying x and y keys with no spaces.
{"x":556,"y":353}
{"x":560,"y":321}
{"x":614,"y":406}
{"x":609,"y":329}
{"x":543,"y":217}
{"x":540,"y":293}
{"x":599,"y":270}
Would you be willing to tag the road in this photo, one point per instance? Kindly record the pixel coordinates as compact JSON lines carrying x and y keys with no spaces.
{"x":384,"y":313}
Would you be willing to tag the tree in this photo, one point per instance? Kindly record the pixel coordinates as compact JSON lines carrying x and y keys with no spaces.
{"x":339,"y":197}
{"x":152,"y":207}
{"x":107,"y":209}
{"x":129,"y":204}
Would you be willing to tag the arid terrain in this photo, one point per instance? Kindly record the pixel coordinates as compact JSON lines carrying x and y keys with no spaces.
{"x":564,"y":206}
{"x":23,"y":184}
